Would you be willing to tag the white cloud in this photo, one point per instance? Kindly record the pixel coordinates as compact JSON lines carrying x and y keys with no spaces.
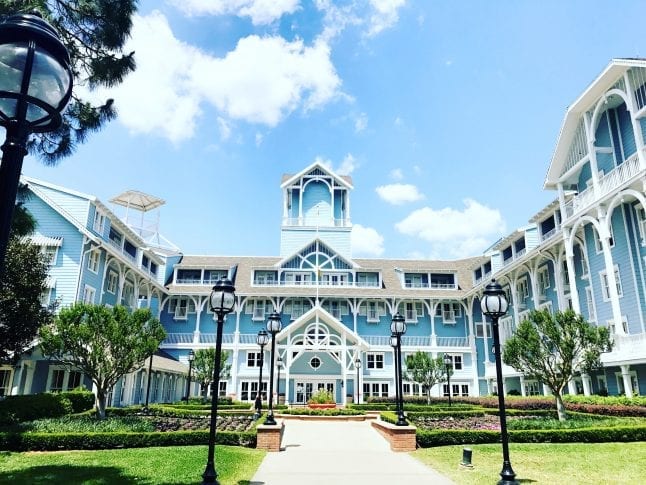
{"x":262,"y":12}
{"x":225,"y":128}
{"x":259,"y":138}
{"x":262,"y":80}
{"x":361,"y":123}
{"x":396,"y":174}
{"x":455,"y":233}
{"x":385,"y":14}
{"x":366,"y":241}
{"x":346,"y":167}
{"x":398,"y":194}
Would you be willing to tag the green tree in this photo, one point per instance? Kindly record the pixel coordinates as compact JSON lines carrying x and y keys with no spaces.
{"x":94,"y":32}
{"x":21,"y":311}
{"x":425,"y":370}
{"x":104,"y":343}
{"x":203,"y":367}
{"x":553,"y":348}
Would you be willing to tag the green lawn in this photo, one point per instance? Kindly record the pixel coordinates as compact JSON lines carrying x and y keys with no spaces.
{"x":143,"y":466}
{"x":544,"y":463}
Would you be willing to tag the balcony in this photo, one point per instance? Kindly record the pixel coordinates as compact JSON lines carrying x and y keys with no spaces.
{"x":626,"y":347}
{"x":609,"y":182}
{"x":418,"y":341}
{"x":322,"y":222}
{"x":311,"y":283}
{"x":550,"y":234}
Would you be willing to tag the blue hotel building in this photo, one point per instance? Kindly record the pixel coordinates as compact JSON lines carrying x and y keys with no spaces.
{"x":586,"y":251}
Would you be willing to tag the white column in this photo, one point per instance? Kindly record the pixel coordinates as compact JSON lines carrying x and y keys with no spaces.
{"x":522,"y":386}
{"x":628,"y":385}
{"x":571,"y":387}
{"x":637,"y":128}
{"x":198,"y":318}
{"x":604,"y":236}
{"x":546,"y":391}
{"x":569,"y":261}
{"x":585,"y":378}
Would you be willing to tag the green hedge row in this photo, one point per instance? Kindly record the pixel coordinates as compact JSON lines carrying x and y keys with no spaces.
{"x":99,"y":441}
{"x":427,"y":438}
{"x":16,"y":409}
{"x":323,"y":412}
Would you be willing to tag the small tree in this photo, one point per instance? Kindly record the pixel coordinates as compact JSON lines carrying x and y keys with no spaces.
{"x":203,"y":366}
{"x":104,"y":343}
{"x":425,"y":370}
{"x":552,"y":348}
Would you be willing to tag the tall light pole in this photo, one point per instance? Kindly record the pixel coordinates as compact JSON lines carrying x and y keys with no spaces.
{"x":448,"y":361}
{"x":274,"y":325}
{"x":35,"y":85}
{"x":357,"y":364}
{"x":398,"y":328}
{"x":191,"y":358}
{"x":494,"y":305}
{"x":279,"y":364}
{"x":222,"y":302}
{"x":262,"y":339}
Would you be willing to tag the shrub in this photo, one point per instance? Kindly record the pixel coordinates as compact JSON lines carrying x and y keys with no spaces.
{"x":324,"y":412}
{"x":16,"y":409}
{"x":81,"y":399}
{"x":321,"y":397}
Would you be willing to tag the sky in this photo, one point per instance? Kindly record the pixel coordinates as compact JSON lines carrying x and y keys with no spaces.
{"x":444,"y":113}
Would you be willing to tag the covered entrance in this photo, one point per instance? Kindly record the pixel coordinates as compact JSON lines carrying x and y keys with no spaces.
{"x":304,"y":390}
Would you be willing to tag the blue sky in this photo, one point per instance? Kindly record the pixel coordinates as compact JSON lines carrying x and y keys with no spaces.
{"x":445,"y":114}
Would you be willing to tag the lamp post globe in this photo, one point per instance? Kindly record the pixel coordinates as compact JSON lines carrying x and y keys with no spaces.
{"x":222,"y":302}
{"x":35,"y":86}
{"x":448,"y":361}
{"x":357,"y":365}
{"x":274,"y":325}
{"x":494,"y":305}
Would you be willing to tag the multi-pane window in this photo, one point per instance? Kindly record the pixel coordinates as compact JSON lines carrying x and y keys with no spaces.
{"x":113,"y":280}
{"x":456,"y":362}
{"x":254,"y":359}
{"x":456,"y":390}
{"x":448,"y":311}
{"x":93,"y":261}
{"x":296,"y":307}
{"x":413,"y":310}
{"x":222,"y":389}
{"x":74,"y":379}
{"x":57,"y":381}
{"x":605,"y":285}
{"x":89,"y":294}
{"x":5,"y":382}
{"x":597,"y":241}
{"x":375,"y":360}
{"x":249,"y":389}
{"x":181,"y":306}
{"x":522,"y":289}
{"x":377,"y":389}
{"x":128,"y":294}
{"x":49,"y":254}
{"x":293,"y":278}
{"x":373,"y":310}
{"x":99,"y":222}
{"x":543,"y":279}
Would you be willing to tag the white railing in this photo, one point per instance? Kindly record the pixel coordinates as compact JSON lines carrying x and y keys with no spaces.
{"x":416,"y":341}
{"x":178,"y":338}
{"x":315,"y":221}
{"x":435,"y":286}
{"x":452,"y":341}
{"x":377,"y":339}
{"x":626,"y":347}
{"x":607,"y":184}
{"x":342,"y":284}
{"x":209,"y":338}
{"x":520,"y":253}
{"x":549,"y":234}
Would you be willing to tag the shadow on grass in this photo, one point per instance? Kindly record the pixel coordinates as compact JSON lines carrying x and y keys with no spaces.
{"x":68,"y":474}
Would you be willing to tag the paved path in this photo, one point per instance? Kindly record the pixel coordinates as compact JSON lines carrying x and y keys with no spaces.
{"x":340,"y":453}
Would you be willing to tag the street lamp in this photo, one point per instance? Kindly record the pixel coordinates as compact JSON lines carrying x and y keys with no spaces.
{"x":262,"y":339}
{"x":35,"y":86}
{"x":279,"y":364}
{"x":398,"y":328}
{"x":222,"y":301}
{"x":357,"y":364}
{"x":191,"y":358}
{"x":494,"y":305}
{"x":447,"y":363}
{"x":274,"y":325}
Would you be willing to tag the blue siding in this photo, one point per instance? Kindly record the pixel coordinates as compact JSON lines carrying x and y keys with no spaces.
{"x":317,"y":207}
{"x":626,"y":129}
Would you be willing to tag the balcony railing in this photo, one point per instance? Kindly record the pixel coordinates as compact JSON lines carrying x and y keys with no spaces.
{"x":613,"y":179}
{"x":315,"y":221}
{"x":432,"y":285}
{"x":418,"y":341}
{"x":550,"y":234}
{"x":452,"y":341}
{"x":329,"y":284}
{"x":626,"y":347}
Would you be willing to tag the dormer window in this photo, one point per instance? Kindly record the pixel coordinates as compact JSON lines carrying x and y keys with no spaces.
{"x":519,"y":247}
{"x":414,"y":280}
{"x":99,"y":221}
{"x":443,"y":281}
{"x":507,"y":255}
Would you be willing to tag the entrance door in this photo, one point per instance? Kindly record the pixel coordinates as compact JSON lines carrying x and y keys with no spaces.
{"x":304,"y":390}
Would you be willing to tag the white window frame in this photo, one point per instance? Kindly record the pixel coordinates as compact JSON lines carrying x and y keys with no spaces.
{"x":592,"y":311}
{"x":544,"y":278}
{"x":522,"y":288}
{"x":128,"y":294}
{"x":457,"y":362}
{"x":50,"y":253}
{"x":524,"y":315}
{"x":605,"y":287}
{"x":375,"y":360}
{"x":413,"y":310}
{"x":99,"y":221}
{"x":93,"y":261}
{"x":611,"y":325}
{"x":254,"y":358}
{"x":6,"y":381}
{"x":597,"y":240}
{"x":65,"y":383}
{"x":641,"y":222}
{"x":479,"y":328}
{"x":113,"y":282}
{"x":298,"y":278}
{"x":89,"y":294}
{"x":375,"y":389}
{"x":546,"y":306}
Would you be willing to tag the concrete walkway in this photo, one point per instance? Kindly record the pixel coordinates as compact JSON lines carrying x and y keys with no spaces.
{"x":340,"y":453}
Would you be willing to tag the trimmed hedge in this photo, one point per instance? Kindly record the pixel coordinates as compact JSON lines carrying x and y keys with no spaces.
{"x":323,"y":412}
{"x":81,"y":399}
{"x":15,"y":409}
{"x":99,"y":441}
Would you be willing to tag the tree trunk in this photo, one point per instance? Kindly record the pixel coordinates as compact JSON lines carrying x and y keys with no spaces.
{"x":560,"y":407}
{"x":428,"y":395}
{"x":100,"y":404}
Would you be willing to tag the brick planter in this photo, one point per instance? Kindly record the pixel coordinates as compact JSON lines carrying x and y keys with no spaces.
{"x":401,"y":438}
{"x":321,"y":406}
{"x":270,"y":436}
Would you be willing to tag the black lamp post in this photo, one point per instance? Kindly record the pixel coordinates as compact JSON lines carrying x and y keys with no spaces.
{"x":35,"y":86}
{"x":150,"y":379}
{"x":279,"y":364}
{"x":447,"y":363}
{"x":274,"y":325}
{"x":222,"y":301}
{"x":398,"y":328}
{"x":191,"y":358}
{"x":494,"y":305}
{"x":357,"y":364}
{"x":262,"y":339}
